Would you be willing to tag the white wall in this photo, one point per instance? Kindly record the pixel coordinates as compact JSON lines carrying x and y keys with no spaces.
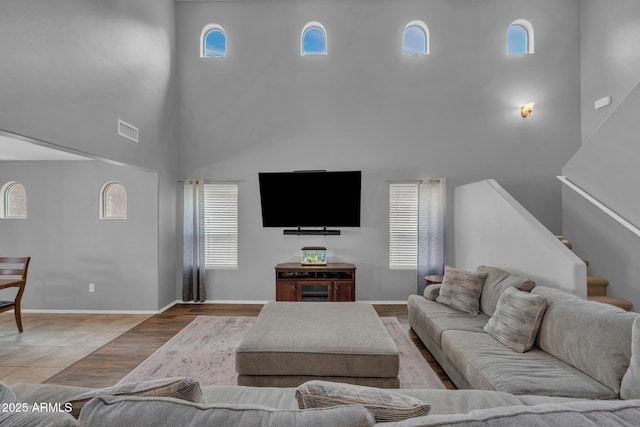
{"x":71,"y":247}
{"x":71,"y":68}
{"x":493,"y":229}
{"x":453,"y":114}
{"x":610,"y":60}
{"x":606,"y":166}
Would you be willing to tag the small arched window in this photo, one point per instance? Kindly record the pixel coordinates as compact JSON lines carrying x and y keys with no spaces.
{"x":520,"y":37}
{"x":14,"y":200}
{"x":313,"y":40}
{"x":415,"y":39}
{"x":113,"y":201}
{"x":213,"y":42}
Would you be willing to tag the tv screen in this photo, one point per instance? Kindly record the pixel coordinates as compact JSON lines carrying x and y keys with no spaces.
{"x":310,"y":199}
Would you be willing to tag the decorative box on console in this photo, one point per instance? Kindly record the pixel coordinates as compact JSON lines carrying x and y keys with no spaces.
{"x":314,"y":255}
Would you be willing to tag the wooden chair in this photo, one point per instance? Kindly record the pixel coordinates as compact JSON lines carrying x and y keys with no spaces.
{"x":14,"y":277}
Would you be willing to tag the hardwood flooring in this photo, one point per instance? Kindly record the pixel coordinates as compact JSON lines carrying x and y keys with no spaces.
{"x":108,"y":364}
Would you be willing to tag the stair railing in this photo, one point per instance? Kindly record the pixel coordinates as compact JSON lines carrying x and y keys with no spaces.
{"x":626,"y":224}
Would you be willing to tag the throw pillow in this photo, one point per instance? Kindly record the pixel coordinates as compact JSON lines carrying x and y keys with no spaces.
{"x":432,"y":292}
{"x":110,"y":411}
{"x":496,"y":282}
{"x":462,"y":289}
{"x":180,"y":388}
{"x":517,"y":318}
{"x":385,"y":405}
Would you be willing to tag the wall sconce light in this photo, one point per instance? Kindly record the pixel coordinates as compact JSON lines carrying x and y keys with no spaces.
{"x":527,"y":109}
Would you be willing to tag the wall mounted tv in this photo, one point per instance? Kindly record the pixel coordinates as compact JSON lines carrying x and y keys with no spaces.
{"x":310,"y":199}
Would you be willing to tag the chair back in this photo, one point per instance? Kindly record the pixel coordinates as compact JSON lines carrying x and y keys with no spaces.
{"x":14,"y":270}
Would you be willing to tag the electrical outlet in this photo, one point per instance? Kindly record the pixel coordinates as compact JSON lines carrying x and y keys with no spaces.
{"x":92,"y":287}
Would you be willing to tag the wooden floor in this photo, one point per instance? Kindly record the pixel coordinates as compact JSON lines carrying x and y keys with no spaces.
{"x":110,"y":363}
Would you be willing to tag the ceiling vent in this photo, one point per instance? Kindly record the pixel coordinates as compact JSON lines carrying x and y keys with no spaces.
{"x":128,"y":131}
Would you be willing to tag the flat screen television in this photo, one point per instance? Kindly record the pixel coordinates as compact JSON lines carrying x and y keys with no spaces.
{"x":310,"y":198}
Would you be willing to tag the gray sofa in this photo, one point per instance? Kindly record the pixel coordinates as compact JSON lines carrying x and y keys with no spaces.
{"x":252,"y":406}
{"x":583,"y":348}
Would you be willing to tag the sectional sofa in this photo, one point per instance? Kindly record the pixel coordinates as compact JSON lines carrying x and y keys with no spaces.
{"x":268,"y":406}
{"x":582,"y":349}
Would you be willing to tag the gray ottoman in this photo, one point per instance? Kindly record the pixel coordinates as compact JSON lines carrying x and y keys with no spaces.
{"x":293,"y":342}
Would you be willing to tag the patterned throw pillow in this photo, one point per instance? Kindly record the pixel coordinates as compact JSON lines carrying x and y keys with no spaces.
{"x":385,"y":405}
{"x":517,"y":318}
{"x":462,"y":289}
{"x":179,"y":388}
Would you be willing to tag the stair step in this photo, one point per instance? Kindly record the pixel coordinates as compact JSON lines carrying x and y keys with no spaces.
{"x":565,"y":242}
{"x":618,"y":302}
{"x":597,"y":286}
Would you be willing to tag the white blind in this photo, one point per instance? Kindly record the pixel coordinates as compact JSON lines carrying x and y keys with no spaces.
{"x":403,"y":225}
{"x":221,"y":225}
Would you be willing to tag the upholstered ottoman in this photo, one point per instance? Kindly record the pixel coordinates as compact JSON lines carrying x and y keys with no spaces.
{"x":293,"y":342}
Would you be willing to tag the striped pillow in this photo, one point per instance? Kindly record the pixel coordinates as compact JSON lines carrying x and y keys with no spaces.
{"x":384,"y":405}
{"x":462,"y":289}
{"x":517,"y":318}
{"x":179,"y":388}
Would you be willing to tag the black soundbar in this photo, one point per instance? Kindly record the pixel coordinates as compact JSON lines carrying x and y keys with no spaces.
{"x":308,"y":232}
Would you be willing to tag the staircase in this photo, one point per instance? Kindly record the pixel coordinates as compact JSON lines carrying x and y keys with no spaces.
{"x":597,"y":287}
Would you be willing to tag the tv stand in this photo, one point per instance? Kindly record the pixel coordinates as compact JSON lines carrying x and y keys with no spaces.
{"x":333,"y":282}
{"x":311,"y":232}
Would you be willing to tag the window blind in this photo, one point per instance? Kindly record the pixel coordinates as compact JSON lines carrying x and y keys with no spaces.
{"x":221,"y":225}
{"x":403,"y":225}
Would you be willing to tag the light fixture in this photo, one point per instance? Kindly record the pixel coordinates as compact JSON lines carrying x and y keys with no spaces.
{"x":527,"y":109}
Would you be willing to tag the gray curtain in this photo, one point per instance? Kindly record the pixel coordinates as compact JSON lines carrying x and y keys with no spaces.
{"x":431,"y":230}
{"x":193,"y":262}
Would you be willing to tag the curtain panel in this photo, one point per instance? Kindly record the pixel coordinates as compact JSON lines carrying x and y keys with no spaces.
{"x":193,"y":261}
{"x":431,"y":230}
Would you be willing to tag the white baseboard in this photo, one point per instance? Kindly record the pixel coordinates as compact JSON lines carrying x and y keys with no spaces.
{"x":92,"y":311}
{"x":222,"y":301}
{"x":171,"y":304}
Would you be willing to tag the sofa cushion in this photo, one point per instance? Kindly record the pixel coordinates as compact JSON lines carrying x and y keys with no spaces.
{"x":180,"y":388}
{"x":496,"y":282}
{"x":384,"y":405}
{"x":630,"y":386}
{"x":14,"y":413}
{"x":273,"y":397}
{"x":584,"y":414}
{"x":461,"y":289}
{"x":109,"y":411}
{"x":489,"y":365}
{"x":516,"y":320}
{"x":591,"y":336}
{"x":435,"y":318}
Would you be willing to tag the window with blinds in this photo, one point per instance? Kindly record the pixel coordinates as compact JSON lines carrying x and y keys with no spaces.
{"x":403,"y":226}
{"x":221,"y":225}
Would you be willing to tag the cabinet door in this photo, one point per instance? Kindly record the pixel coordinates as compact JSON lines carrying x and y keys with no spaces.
{"x":311,"y":290}
{"x":286,"y":290}
{"x":343,"y":290}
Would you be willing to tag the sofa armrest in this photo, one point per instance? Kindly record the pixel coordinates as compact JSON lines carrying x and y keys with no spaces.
{"x":431,"y":292}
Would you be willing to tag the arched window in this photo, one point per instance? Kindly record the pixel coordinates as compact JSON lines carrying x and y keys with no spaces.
{"x":213,"y":42}
{"x":313,"y":40}
{"x":14,"y":200}
{"x":415,"y":39}
{"x":113,"y":201}
{"x":520,"y":37}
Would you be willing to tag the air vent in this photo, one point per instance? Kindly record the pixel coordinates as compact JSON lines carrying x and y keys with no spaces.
{"x":128,"y":131}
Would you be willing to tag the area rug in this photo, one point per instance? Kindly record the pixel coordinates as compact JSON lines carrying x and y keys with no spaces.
{"x":205,"y":351}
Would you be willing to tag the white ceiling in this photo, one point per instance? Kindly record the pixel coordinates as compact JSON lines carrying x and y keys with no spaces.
{"x":12,"y":149}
